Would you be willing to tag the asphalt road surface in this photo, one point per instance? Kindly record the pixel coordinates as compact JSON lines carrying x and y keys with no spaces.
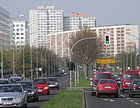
{"x":64,"y":83}
{"x":124,"y":101}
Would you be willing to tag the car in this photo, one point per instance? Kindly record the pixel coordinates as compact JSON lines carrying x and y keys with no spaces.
{"x":126,"y":79}
{"x":4,"y":81}
{"x":96,"y":77}
{"x":117,"y":78}
{"x":53,"y":82}
{"x":107,"y":86}
{"x":15,"y":79}
{"x":29,"y":86}
{"x":42,"y":85}
{"x":134,"y":88}
{"x":13,"y":95}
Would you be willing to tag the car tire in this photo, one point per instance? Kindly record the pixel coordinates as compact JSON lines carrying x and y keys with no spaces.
{"x":48,"y":93}
{"x":92,"y":94}
{"x":57,"y":87}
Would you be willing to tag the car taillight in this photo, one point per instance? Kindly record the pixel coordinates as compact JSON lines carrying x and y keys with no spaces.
{"x":45,"y":87}
{"x":134,"y":87}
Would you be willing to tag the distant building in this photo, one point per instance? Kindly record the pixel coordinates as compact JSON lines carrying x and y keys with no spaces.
{"x":43,"y":21}
{"x":78,"y":20}
{"x":5,"y":34}
{"x":123,"y":38}
{"x":20,"y":33}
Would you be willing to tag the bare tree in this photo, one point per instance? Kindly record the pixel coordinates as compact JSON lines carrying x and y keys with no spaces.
{"x":86,"y":51}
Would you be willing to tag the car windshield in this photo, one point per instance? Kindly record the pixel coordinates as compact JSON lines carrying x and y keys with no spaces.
{"x":26,"y":85}
{"x":136,"y":82}
{"x":4,"y":82}
{"x":14,"y":80}
{"x":40,"y":81}
{"x":107,"y":82}
{"x":10,"y":88}
{"x":52,"y":79}
{"x":131,"y":76}
{"x":103,"y":76}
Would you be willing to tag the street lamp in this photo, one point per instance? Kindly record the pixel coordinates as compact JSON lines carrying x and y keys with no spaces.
{"x":88,"y":38}
{"x":10,"y":20}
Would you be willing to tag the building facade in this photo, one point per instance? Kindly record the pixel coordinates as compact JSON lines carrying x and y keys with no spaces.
{"x":123,"y":38}
{"x":5,"y":34}
{"x":43,"y":21}
{"x":19,"y":33}
{"x":77,"y":21}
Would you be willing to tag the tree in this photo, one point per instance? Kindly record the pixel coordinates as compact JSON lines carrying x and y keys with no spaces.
{"x":86,"y":51}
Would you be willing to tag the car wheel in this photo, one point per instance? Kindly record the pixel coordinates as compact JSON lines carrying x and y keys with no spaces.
{"x":48,"y":93}
{"x":92,"y":94}
{"x":116,"y":95}
{"x":36,"y":99}
{"x":57,"y":87}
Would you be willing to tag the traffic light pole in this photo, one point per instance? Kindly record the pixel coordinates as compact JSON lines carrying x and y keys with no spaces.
{"x":71,"y":58}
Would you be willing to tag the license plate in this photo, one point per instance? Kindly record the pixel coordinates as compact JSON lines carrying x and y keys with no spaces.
{"x":39,"y":90}
{"x":7,"y":103}
{"x":107,"y":87}
{"x":128,"y":83}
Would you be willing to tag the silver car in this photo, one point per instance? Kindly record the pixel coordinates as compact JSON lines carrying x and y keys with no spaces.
{"x":12,"y":95}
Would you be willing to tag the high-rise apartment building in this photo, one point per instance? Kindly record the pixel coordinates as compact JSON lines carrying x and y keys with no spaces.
{"x":77,"y":21}
{"x":123,"y":38}
{"x":43,"y":21}
{"x":20,"y":33}
{"x":5,"y":34}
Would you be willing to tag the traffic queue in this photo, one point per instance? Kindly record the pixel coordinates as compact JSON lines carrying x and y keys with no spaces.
{"x":107,"y":83}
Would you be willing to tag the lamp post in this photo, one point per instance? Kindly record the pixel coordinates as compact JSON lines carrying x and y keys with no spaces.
{"x":88,"y":38}
{"x":10,"y":20}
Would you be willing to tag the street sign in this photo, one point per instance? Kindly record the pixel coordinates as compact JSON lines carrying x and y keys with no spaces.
{"x":105,"y":61}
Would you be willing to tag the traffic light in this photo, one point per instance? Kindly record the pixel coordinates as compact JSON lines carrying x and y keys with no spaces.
{"x":107,"y":40}
{"x":70,"y":65}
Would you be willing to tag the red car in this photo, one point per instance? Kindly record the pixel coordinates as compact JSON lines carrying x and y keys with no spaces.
{"x":126,"y":79}
{"x":107,"y":86}
{"x":96,"y":77}
{"x":42,"y":85}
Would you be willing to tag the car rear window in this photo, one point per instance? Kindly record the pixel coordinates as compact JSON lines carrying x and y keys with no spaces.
{"x":103,"y":76}
{"x":52,"y":79}
{"x":10,"y":88}
{"x":40,"y":81}
{"x":136,"y":82}
{"x":107,"y":82}
{"x":4,"y":82}
{"x":131,"y":76}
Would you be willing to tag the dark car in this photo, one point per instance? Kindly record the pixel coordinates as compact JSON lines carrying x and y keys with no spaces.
{"x":4,"y":81}
{"x":53,"y":82}
{"x":117,"y":78}
{"x":135,"y":88}
{"x":29,"y":86}
{"x":15,"y":79}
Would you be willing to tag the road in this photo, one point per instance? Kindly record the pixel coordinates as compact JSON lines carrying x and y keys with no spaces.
{"x":124,"y":101}
{"x":64,"y":83}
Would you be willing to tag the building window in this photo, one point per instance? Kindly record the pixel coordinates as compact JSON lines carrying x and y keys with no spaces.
{"x":22,"y":33}
{"x":17,"y":33}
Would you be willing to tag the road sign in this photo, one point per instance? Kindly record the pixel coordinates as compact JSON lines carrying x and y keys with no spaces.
{"x":105,"y":61}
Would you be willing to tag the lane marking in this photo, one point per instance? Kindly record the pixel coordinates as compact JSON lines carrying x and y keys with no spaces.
{"x":105,"y":99}
{"x":122,"y":95}
{"x":127,"y":98}
{"x":111,"y":100}
{"x":131,"y":101}
{"x":136,"y":103}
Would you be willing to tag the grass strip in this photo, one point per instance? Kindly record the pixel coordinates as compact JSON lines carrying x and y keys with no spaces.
{"x":66,"y":99}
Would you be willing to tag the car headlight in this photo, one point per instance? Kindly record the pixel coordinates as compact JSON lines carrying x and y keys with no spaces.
{"x":18,"y":98}
{"x":32,"y":92}
{"x":56,"y":83}
{"x":46,"y":88}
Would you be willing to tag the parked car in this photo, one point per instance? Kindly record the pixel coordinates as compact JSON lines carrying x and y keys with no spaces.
{"x":126,"y":79}
{"x":29,"y":86}
{"x":4,"y":81}
{"x":42,"y":85}
{"x":13,"y":95}
{"x":95,"y":79}
{"x":108,"y":87}
{"x":15,"y":79}
{"x":134,"y":88}
{"x":53,"y":82}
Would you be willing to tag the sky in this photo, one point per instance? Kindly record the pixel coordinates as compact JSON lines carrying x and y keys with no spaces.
{"x":107,"y":12}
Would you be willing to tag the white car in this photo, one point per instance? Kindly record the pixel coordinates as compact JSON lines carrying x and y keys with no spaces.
{"x":13,"y":95}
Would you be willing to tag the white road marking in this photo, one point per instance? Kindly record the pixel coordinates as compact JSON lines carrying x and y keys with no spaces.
{"x":111,"y":100}
{"x":131,"y":101}
{"x":122,"y":96}
{"x":127,"y":98}
{"x":105,"y":99}
{"x":136,"y":103}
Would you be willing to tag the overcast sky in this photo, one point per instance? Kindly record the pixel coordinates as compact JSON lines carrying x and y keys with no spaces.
{"x":106,"y":11}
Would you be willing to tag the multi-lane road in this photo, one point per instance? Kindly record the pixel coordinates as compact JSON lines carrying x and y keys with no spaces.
{"x":64,"y":83}
{"x":124,"y":101}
